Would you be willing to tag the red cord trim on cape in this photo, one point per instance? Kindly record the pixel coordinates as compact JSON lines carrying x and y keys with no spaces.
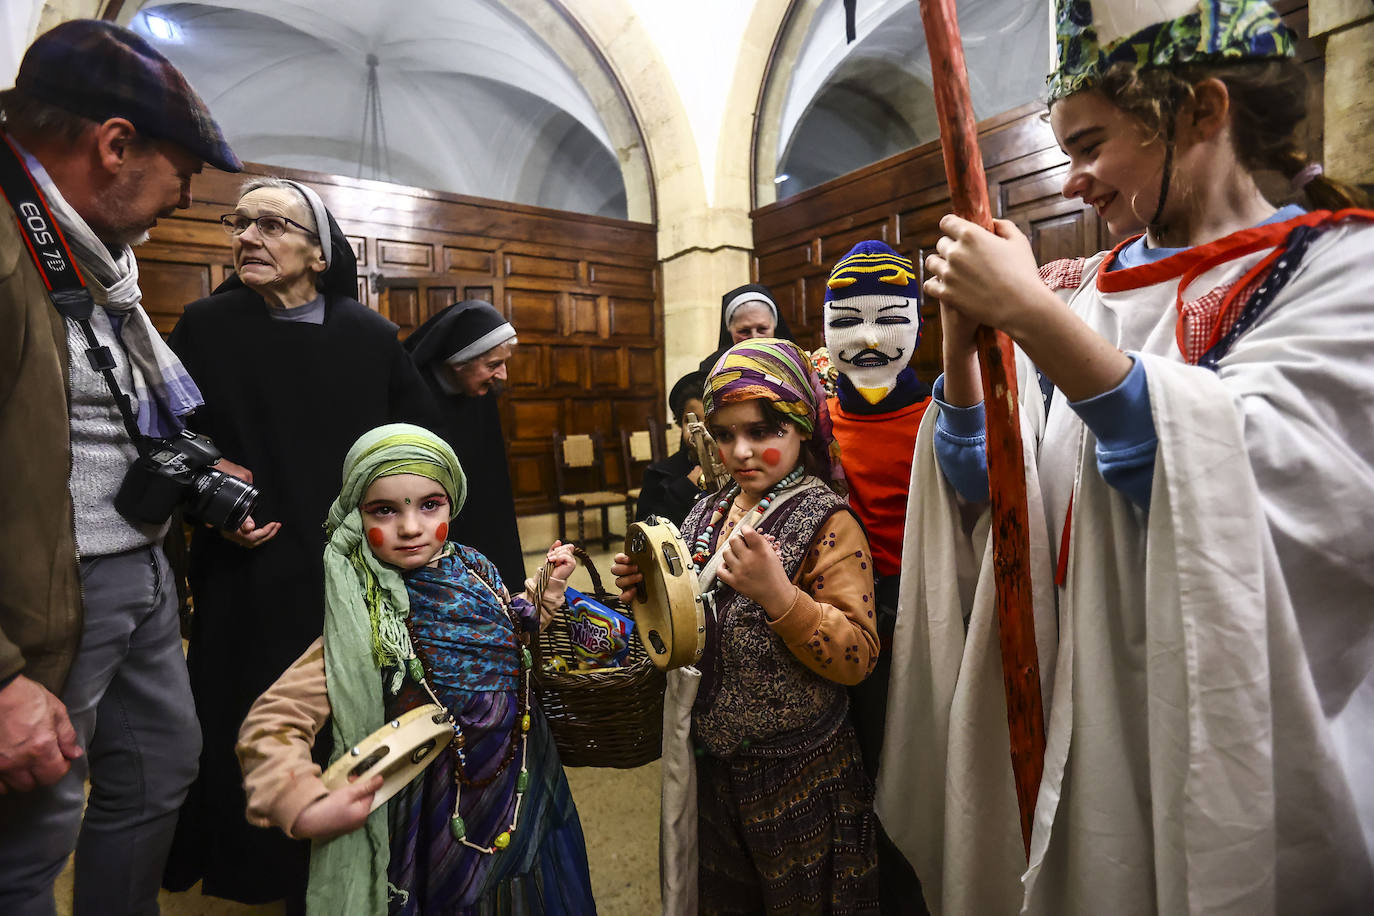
{"x":1194,"y":261}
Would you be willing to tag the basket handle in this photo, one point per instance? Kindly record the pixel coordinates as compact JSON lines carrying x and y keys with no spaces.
{"x":541,"y":578}
{"x":590,"y":567}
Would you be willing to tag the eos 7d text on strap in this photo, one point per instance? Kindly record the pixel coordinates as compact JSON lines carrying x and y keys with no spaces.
{"x":53,"y":257}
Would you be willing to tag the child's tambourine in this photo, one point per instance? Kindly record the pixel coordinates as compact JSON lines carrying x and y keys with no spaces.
{"x":668,"y":607}
{"x":399,"y":750}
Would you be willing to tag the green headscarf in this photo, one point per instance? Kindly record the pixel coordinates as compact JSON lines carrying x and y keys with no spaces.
{"x":365,"y":607}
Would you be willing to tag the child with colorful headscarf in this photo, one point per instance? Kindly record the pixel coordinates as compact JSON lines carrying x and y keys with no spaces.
{"x":783,"y":821}
{"x":411,"y":618}
{"x":1200,"y":479}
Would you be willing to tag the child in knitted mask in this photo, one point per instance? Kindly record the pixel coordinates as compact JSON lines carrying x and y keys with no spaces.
{"x":791,"y":622}
{"x":411,"y":618}
{"x":872,"y":318}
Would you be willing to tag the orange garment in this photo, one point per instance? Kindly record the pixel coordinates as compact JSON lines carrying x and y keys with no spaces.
{"x":876,"y":452}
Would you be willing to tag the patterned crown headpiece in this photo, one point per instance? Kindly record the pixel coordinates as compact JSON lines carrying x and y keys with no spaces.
{"x":1092,"y":35}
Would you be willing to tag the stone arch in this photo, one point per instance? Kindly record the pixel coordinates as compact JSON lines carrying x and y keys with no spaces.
{"x":1006,"y":43}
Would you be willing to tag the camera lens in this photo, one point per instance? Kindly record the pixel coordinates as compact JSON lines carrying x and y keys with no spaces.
{"x":219,"y":499}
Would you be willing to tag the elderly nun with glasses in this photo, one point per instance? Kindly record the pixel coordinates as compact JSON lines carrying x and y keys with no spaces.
{"x":293,"y":369}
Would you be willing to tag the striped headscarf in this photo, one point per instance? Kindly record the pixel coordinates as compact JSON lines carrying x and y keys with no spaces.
{"x":365,"y":608}
{"x":779,"y":373}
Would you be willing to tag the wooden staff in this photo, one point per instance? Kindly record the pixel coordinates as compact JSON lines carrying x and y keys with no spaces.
{"x":1006,"y":467}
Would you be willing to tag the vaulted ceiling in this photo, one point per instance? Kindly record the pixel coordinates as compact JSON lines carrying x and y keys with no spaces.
{"x":849,"y":105}
{"x":471,"y":100}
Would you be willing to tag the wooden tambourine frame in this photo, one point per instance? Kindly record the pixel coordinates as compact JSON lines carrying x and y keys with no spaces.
{"x":399,"y":750}
{"x":670,"y":616}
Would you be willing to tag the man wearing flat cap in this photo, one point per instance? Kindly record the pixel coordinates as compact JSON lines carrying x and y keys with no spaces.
{"x":461,"y":353}
{"x":103,"y":131}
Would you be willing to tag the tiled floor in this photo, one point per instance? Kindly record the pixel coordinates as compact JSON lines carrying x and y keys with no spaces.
{"x":619,"y":811}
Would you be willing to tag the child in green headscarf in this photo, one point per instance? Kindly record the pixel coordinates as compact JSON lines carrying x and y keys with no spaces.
{"x":412,"y":618}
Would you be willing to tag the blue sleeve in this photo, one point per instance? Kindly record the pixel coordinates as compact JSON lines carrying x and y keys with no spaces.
{"x":961,"y":446}
{"x":1125,"y":430}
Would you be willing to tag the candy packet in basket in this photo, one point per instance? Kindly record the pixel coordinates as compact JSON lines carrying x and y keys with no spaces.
{"x":600,"y":636}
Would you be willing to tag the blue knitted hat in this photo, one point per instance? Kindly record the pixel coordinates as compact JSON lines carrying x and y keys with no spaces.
{"x":872,"y":268}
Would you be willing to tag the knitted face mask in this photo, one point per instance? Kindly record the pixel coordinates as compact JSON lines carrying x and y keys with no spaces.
{"x":871,"y":339}
{"x":872,"y":317}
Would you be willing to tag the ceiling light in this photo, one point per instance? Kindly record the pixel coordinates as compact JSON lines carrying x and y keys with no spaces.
{"x":162,"y":29}
{"x":781,"y":178}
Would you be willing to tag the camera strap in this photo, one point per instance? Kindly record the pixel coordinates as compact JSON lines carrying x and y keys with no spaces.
{"x":53,"y":256}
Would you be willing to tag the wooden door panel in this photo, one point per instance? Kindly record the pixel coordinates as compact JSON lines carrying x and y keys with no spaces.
{"x":553,"y":268}
{"x":581,"y":316}
{"x":467,"y":259}
{"x":532,"y":311}
{"x":525,"y":369}
{"x":630,"y":317}
{"x":837,"y":245}
{"x":567,"y":366}
{"x":531,"y":416}
{"x":393,"y":253}
{"x":168,"y":287}
{"x":606,"y":368}
{"x":438,"y":298}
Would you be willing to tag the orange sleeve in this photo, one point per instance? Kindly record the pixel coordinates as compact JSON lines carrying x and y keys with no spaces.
{"x":830,"y":626}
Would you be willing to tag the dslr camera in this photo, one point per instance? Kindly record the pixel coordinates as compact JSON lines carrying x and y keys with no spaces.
{"x":178,"y":472}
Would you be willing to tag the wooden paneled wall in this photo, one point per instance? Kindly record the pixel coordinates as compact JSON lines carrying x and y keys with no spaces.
{"x":900,"y":201}
{"x":581,"y":291}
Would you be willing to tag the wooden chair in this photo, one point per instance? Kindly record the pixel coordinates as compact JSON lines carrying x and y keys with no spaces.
{"x":659,"y":438}
{"x":636,"y":453}
{"x":581,"y":455}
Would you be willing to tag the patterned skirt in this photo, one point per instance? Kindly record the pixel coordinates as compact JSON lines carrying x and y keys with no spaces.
{"x":791,"y":835}
{"x":544,"y":870}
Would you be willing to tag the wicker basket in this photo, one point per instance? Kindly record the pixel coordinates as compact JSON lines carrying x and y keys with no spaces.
{"x":607,"y":718}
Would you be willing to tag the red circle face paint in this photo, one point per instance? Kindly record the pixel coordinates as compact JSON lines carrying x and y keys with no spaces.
{"x":772,"y":456}
{"x":375,"y":537}
{"x":441,"y":532}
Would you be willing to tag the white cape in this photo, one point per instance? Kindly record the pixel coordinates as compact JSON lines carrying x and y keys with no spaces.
{"x":1205,"y":738}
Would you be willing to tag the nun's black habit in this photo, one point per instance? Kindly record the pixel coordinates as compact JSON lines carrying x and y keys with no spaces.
{"x":472,"y":426}
{"x":286,"y":400}
{"x":764,"y":294}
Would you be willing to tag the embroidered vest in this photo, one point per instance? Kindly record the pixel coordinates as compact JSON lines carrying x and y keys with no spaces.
{"x":756,"y":698}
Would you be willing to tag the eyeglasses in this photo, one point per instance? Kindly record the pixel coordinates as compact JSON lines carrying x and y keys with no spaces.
{"x":269,"y":226}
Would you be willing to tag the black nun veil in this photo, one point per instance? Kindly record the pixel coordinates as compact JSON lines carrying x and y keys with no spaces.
{"x":724,"y":342}
{"x":472,"y":427}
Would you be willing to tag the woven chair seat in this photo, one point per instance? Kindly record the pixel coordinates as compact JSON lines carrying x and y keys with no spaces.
{"x":597,"y":498}
{"x":633,"y":493}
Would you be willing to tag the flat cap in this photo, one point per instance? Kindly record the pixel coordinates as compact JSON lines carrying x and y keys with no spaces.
{"x":99,"y":70}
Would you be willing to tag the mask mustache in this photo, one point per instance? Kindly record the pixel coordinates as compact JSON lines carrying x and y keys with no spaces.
{"x":869,"y":358}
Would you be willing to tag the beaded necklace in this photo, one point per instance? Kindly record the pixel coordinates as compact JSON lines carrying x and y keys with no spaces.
{"x":519,"y":735}
{"x":702,"y":546}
